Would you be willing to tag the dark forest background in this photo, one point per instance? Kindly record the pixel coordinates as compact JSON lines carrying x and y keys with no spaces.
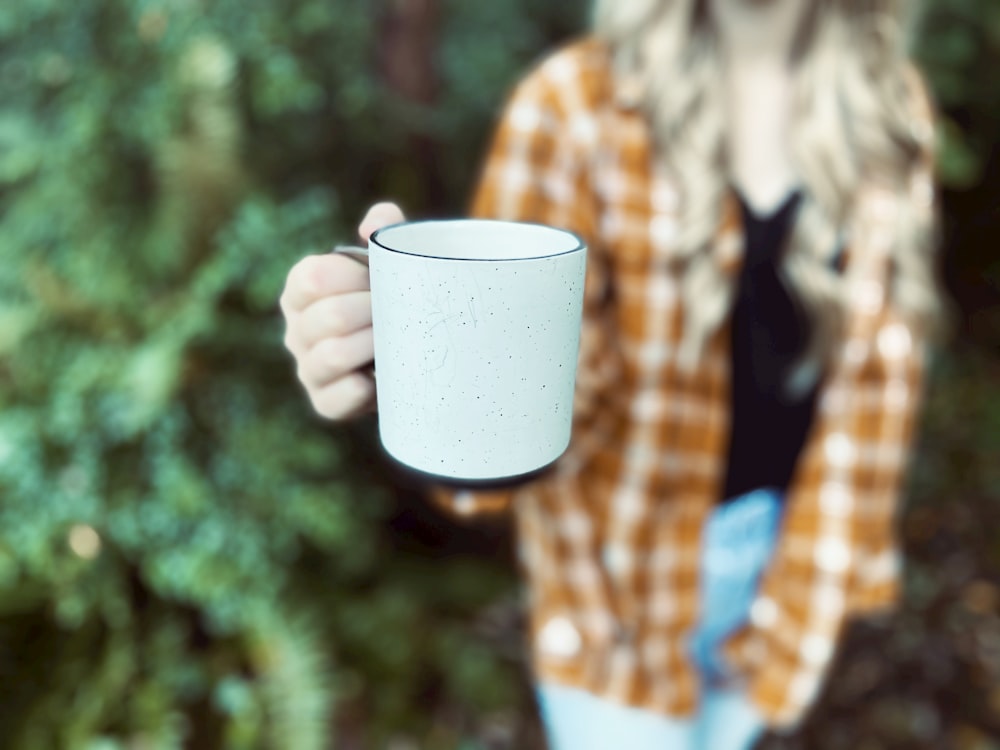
{"x":190,"y":559}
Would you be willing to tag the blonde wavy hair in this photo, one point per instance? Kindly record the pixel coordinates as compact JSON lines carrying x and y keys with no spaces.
{"x":854,"y":113}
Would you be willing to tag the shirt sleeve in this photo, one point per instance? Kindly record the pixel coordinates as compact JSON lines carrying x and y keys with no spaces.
{"x":536,"y":170}
{"x":838,"y":554}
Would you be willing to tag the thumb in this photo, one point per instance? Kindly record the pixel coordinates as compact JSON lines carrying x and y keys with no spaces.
{"x":378,"y":216}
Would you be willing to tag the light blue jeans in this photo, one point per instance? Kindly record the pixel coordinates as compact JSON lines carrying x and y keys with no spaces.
{"x":737,"y":544}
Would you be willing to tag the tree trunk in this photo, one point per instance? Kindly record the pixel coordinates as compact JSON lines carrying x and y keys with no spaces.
{"x":408,"y":42}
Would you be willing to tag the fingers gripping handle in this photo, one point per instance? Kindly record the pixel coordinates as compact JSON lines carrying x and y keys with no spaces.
{"x":360,"y":254}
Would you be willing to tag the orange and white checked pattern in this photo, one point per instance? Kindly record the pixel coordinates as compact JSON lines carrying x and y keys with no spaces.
{"x":610,"y":541}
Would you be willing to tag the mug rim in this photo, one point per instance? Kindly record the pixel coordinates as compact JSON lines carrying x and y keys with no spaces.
{"x":580,"y":244}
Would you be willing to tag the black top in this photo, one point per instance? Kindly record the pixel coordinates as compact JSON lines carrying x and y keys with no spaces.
{"x":769,"y":334}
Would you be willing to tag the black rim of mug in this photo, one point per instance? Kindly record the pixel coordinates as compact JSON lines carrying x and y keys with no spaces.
{"x":375,"y":239}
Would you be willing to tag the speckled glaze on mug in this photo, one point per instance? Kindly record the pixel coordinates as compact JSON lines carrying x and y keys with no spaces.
{"x":477,"y":332}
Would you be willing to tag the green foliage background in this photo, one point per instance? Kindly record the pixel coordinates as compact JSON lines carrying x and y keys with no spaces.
{"x":187,"y":557}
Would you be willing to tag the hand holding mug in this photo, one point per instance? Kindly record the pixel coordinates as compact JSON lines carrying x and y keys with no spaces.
{"x":474,"y":326}
{"x":328,"y":324}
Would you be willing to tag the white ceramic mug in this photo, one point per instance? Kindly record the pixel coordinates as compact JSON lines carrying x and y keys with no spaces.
{"x":477,"y":332}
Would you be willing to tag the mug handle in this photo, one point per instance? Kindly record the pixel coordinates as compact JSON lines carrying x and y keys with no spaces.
{"x":360,"y":254}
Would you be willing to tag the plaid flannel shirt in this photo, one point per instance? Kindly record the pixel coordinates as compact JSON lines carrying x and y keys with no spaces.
{"x":610,"y":541}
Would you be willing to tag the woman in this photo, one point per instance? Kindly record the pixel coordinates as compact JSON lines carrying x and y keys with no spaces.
{"x":753,"y":180}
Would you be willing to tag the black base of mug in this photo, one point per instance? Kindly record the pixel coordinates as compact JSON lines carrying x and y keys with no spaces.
{"x":458,"y":483}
